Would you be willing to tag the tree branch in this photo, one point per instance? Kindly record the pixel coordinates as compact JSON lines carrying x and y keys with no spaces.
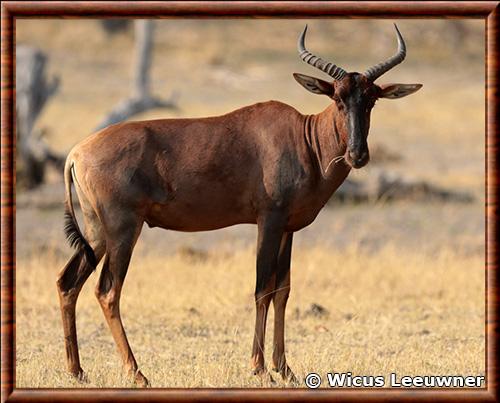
{"x":141,"y":99}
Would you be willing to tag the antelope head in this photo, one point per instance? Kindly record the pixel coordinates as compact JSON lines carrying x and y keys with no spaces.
{"x":354,"y":94}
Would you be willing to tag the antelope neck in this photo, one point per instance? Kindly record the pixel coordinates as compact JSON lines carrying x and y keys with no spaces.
{"x":324,"y":139}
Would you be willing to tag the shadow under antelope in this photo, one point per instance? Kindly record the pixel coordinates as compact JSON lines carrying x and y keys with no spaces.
{"x":265,"y":164}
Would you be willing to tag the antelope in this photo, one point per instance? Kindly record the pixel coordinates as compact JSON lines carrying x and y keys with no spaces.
{"x":265,"y":164}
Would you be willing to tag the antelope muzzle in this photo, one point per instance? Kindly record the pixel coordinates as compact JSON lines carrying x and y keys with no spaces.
{"x":357,"y":154}
{"x":357,"y":157}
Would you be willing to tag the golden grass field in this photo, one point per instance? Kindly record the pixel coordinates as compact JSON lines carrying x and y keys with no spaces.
{"x":403,"y":283}
{"x":190,"y":321}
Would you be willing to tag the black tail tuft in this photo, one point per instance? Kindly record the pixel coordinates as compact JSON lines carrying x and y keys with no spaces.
{"x":76,"y":239}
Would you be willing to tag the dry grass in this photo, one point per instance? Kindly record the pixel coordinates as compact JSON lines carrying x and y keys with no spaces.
{"x":190,"y":320}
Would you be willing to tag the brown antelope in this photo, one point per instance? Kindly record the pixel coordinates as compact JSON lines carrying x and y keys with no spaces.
{"x":265,"y":164}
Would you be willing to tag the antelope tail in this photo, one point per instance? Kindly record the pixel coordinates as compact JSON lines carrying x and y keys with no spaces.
{"x":71,"y":228}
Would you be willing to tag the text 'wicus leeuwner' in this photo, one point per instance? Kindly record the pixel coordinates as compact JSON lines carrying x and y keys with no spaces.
{"x":341,"y":380}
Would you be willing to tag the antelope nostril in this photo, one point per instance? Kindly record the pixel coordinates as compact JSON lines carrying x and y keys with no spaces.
{"x":359,"y":158}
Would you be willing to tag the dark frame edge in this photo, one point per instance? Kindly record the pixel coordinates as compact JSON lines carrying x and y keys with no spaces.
{"x":7,"y":205}
{"x":492,"y":189}
{"x":244,"y":9}
{"x":240,"y":395}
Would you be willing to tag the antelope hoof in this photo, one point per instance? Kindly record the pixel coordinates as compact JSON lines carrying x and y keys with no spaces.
{"x":264,"y":375}
{"x":80,"y":375}
{"x":140,"y":380}
{"x":287,"y":375}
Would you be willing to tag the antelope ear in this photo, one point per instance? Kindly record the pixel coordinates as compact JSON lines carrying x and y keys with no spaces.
{"x":394,"y":91}
{"x":314,"y":85}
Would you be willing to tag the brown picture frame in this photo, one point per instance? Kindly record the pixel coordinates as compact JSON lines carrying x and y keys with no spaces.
{"x":488,"y":10}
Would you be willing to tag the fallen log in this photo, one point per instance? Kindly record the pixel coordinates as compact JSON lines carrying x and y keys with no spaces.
{"x":385,"y":186}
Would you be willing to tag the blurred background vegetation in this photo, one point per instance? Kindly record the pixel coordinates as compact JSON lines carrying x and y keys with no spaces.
{"x":216,"y":66}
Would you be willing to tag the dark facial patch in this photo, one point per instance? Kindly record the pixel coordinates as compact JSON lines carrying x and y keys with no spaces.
{"x":355,"y":91}
{"x":355,"y":97}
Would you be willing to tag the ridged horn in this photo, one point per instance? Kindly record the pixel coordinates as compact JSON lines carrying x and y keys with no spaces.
{"x":329,"y":68}
{"x":376,"y":71}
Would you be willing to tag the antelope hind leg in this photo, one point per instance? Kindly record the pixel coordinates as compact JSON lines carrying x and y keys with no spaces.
{"x":69,"y":284}
{"x":108,"y":292}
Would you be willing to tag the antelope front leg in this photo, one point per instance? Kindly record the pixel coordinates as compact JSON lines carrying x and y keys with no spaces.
{"x":262,"y":301}
{"x":280,"y":298}
{"x":270,"y":231}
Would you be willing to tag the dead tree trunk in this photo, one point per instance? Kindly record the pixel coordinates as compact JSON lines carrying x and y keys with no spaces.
{"x":32,"y":93}
{"x":141,"y":98}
